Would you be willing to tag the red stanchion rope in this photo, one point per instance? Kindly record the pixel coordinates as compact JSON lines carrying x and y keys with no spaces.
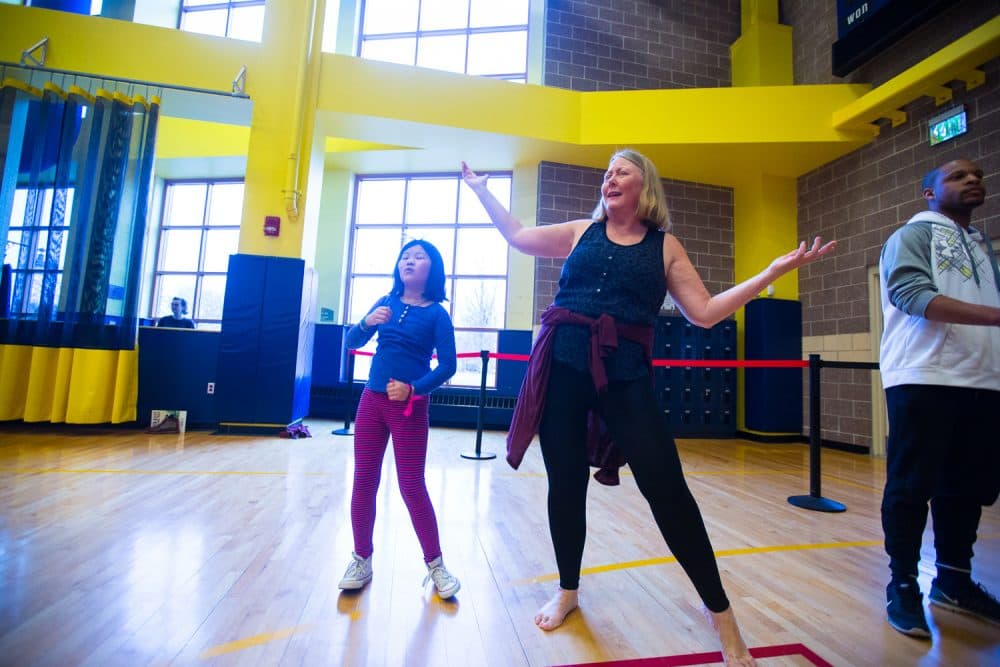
{"x":683,"y":363}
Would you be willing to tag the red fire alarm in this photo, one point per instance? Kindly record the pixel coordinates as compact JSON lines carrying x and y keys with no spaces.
{"x":272,"y":225}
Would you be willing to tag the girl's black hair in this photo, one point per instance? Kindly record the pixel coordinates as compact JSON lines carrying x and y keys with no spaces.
{"x":434,"y":288}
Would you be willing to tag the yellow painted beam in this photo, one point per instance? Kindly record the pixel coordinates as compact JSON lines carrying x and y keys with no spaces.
{"x":113,"y":48}
{"x":954,"y":61}
{"x":759,"y":115}
{"x":185,"y":138}
{"x":359,"y":87}
{"x":340,"y":145}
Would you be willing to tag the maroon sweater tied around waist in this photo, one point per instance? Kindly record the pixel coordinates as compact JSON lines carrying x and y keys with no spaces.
{"x":604,"y":333}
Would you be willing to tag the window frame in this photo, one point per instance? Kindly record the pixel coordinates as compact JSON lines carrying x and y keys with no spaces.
{"x":32,"y":234}
{"x":411,"y":231}
{"x":417,"y":34}
{"x":203,"y":228}
{"x":228,"y":5}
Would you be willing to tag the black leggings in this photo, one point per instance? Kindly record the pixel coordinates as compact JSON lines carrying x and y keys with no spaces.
{"x":639,"y":432}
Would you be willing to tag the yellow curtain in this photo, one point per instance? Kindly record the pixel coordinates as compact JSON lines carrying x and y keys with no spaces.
{"x":75,"y":386}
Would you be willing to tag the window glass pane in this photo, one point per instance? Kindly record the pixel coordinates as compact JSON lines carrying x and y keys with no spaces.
{"x":380,"y":202}
{"x":34,"y":292}
{"x":375,"y":250}
{"x":444,"y":53}
{"x":179,"y":249}
{"x":390,"y":50}
{"x":67,"y":209}
{"x":470,"y":369}
{"x":12,"y":249}
{"x":226,"y":207}
{"x":443,"y":14}
{"x":471,"y":211}
{"x":213,"y":293}
{"x":498,"y":53}
{"x":364,"y":293}
{"x":486,"y":13}
{"x":431,"y":201}
{"x":479,"y":303}
{"x":385,"y":16}
{"x":185,"y":204}
{"x":443,"y":239}
{"x":481,"y":251}
{"x":41,"y":244}
{"x":196,"y":3}
{"x":17,"y":211}
{"x":219,"y":245}
{"x":167,"y":287}
{"x":207,"y":22}
{"x":247,"y":23}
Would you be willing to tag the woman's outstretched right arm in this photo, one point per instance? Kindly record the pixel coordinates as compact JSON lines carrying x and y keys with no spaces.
{"x":546,"y":241}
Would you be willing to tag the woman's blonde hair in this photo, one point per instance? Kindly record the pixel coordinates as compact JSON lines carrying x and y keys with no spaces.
{"x":652,"y":208}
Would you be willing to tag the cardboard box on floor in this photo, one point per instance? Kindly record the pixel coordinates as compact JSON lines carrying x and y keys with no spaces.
{"x":168,"y":421}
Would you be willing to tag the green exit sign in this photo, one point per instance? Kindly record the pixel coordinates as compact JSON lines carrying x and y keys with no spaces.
{"x":947,"y":125}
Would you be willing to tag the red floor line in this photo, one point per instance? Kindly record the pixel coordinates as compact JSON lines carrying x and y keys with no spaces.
{"x":712,"y":656}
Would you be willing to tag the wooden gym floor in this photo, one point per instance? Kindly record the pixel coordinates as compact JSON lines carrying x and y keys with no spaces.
{"x":122,"y":548}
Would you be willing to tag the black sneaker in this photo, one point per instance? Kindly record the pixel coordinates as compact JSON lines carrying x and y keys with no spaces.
{"x":906,"y":610}
{"x":970,"y":598}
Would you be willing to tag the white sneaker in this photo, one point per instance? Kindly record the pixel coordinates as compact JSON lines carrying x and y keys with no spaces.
{"x":358,"y":574}
{"x":445,"y":582}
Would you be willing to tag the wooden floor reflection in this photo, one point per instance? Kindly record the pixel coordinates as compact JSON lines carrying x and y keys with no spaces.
{"x":123,"y":548}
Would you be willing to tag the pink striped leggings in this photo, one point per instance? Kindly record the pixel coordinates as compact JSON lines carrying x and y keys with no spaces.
{"x":377,"y":419}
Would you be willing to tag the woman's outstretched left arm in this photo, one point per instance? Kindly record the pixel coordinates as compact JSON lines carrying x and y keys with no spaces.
{"x":701,"y":308}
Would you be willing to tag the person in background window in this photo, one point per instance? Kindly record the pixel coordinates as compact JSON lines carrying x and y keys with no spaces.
{"x":412,"y":325}
{"x":593,"y":358}
{"x":176,"y":319}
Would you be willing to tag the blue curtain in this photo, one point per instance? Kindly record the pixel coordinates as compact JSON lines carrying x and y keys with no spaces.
{"x":77,"y":170}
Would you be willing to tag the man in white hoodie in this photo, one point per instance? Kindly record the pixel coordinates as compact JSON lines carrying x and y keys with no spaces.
{"x":940,"y":363}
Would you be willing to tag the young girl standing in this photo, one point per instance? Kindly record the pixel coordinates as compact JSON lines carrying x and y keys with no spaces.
{"x":411,"y":326}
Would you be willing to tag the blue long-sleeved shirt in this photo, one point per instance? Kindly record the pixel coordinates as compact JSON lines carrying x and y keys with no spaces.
{"x":406,"y":344}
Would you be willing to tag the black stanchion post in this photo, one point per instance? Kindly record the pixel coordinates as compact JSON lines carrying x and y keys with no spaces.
{"x":815,"y":501}
{"x":478,"y":454}
{"x":350,"y":398}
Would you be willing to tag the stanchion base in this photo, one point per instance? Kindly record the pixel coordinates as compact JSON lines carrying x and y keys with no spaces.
{"x":479,"y":456}
{"x":342,"y":431}
{"x":818,"y":504}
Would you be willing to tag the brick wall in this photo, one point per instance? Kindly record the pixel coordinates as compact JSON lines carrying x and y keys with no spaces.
{"x":702,"y":217}
{"x":639,"y":44}
{"x":814,"y":30}
{"x":861,"y":198}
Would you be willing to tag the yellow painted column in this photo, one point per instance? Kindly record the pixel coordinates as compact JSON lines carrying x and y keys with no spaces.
{"x":762,"y":56}
{"x":765,"y":207}
{"x":282,"y":84}
{"x":765,"y":225}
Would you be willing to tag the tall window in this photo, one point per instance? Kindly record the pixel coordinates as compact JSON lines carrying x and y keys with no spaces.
{"x":477,"y":37}
{"x":239,"y":19}
{"x":200,"y":230}
{"x":35,"y":249}
{"x":391,"y":210}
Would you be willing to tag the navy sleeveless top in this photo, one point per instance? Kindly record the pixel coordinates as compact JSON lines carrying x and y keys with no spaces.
{"x":626,"y":282}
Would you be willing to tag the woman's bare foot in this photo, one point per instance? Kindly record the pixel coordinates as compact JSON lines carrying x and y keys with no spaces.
{"x":734,"y":651}
{"x":554,"y":612}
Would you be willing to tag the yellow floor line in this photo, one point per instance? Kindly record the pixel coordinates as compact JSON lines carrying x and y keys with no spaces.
{"x":627,"y":565}
{"x":255,"y":640}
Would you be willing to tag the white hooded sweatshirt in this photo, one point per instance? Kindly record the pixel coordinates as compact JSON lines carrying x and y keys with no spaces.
{"x":930,"y":255}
